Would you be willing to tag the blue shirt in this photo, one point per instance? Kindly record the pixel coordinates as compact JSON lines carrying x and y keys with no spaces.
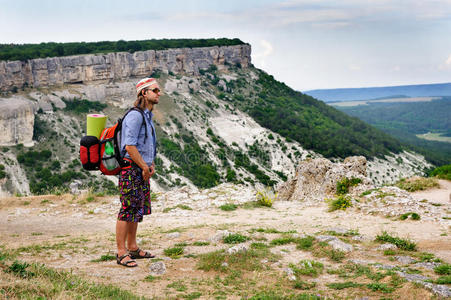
{"x":133,"y":134}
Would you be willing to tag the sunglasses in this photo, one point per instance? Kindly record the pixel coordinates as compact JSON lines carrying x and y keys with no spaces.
{"x":155,"y":90}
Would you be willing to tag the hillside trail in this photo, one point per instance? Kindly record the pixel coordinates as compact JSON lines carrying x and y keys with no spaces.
{"x":67,"y":232}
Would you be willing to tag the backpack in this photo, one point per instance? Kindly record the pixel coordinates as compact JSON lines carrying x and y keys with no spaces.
{"x":104,"y":154}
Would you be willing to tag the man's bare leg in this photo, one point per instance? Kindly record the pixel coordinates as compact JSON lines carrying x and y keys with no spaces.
{"x":121,"y":236}
{"x":132,"y":228}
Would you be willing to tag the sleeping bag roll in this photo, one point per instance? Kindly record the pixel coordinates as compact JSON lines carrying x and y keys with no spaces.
{"x":95,"y":123}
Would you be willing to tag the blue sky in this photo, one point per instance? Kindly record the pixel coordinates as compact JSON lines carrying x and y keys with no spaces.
{"x":307,"y":44}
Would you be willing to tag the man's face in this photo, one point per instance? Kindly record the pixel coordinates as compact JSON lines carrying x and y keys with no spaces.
{"x":152,"y":94}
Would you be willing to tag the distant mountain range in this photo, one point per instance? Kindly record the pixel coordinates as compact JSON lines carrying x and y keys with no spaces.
{"x":345,"y":94}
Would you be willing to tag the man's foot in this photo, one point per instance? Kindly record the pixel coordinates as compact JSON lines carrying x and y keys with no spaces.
{"x":126,"y":261}
{"x":138,"y":253}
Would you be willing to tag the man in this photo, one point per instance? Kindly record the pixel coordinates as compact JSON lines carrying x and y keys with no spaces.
{"x":138,"y":147}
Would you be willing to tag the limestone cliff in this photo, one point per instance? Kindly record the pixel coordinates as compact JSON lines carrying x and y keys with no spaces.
{"x":16,"y":121}
{"x":88,"y":69}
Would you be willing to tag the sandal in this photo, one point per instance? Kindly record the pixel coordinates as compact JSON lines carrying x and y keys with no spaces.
{"x":126,"y":263}
{"x":135,"y":254}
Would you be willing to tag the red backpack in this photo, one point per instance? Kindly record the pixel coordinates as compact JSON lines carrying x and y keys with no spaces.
{"x":104,"y":154}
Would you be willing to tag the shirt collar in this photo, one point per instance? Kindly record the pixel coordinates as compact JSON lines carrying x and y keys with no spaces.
{"x":148,"y":113}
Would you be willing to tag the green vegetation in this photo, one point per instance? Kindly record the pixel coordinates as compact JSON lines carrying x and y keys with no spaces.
{"x":443,"y":280}
{"x":443,"y":172}
{"x":266,"y":197}
{"x":403,"y":244}
{"x":235,"y":238}
{"x":405,"y":120}
{"x":443,"y":269}
{"x":106,"y":257}
{"x":342,"y":202}
{"x":83,"y":106}
{"x":249,"y":260}
{"x":36,"y":281}
{"x":228,"y":207}
{"x":308,"y":267}
{"x":305,"y":243}
{"x":413,"y":216}
{"x":193,"y":161}
{"x":44,"y":177}
{"x":314,"y":124}
{"x":2,"y":171}
{"x":42,"y":50}
{"x":174,"y":252}
{"x":343,"y":285}
{"x":417,"y":184}
{"x":283,"y":240}
{"x":344,"y":184}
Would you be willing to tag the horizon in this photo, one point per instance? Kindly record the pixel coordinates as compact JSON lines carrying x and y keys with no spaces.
{"x":308,"y":44}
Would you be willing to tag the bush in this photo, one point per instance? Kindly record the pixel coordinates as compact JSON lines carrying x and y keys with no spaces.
{"x":443,"y":269}
{"x":228,"y":207}
{"x":266,"y":197}
{"x":174,"y":252}
{"x":344,"y":184}
{"x":403,"y":244}
{"x":413,"y":216}
{"x":443,"y":172}
{"x":235,"y":238}
{"x":342,"y":202}
{"x":305,"y":243}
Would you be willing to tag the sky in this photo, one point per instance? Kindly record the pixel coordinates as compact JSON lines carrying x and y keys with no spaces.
{"x":308,"y":44}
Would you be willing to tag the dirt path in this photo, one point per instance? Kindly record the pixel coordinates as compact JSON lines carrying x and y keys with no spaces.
{"x":65,"y":232}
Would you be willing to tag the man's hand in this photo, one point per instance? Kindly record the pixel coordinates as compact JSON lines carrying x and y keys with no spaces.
{"x":152,"y":169}
{"x":146,"y":174}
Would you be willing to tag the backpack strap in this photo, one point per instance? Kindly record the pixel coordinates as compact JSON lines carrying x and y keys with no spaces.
{"x":142,"y":115}
{"x":123,"y":163}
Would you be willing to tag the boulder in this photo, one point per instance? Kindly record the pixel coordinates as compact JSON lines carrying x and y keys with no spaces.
{"x":317,"y":178}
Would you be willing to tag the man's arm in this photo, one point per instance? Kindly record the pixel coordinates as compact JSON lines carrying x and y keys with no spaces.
{"x":137,"y":158}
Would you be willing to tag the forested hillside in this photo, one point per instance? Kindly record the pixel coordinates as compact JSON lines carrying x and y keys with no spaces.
{"x":405,"y":120}
{"x":42,"y":50}
{"x":312,"y":123}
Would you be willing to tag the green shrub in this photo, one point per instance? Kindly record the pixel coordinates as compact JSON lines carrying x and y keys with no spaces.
{"x":174,"y":252}
{"x":403,"y":244}
{"x":106,"y":257}
{"x":308,"y":267}
{"x":305,"y":243}
{"x":443,"y":269}
{"x":443,"y":280}
{"x":344,"y":184}
{"x":342,"y":202}
{"x":228,"y":207}
{"x":283,"y":241}
{"x":413,"y":216}
{"x":443,"y":172}
{"x":235,"y":238}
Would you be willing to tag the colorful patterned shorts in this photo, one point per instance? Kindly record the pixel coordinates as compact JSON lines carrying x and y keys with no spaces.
{"x":135,"y":196}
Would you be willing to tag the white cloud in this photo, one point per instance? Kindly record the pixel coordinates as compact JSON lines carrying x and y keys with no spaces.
{"x":260,"y":57}
{"x":448,"y":61}
{"x":354,"y":68}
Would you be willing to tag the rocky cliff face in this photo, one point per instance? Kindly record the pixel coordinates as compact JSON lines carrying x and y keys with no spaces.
{"x":16,"y":121}
{"x":117,"y":66}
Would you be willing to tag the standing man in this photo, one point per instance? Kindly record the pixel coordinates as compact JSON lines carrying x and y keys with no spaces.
{"x":138,"y":147}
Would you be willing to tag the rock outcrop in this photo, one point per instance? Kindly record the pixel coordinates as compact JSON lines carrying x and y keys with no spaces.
{"x":16,"y":121}
{"x":110,"y":67}
{"x":317,"y":178}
